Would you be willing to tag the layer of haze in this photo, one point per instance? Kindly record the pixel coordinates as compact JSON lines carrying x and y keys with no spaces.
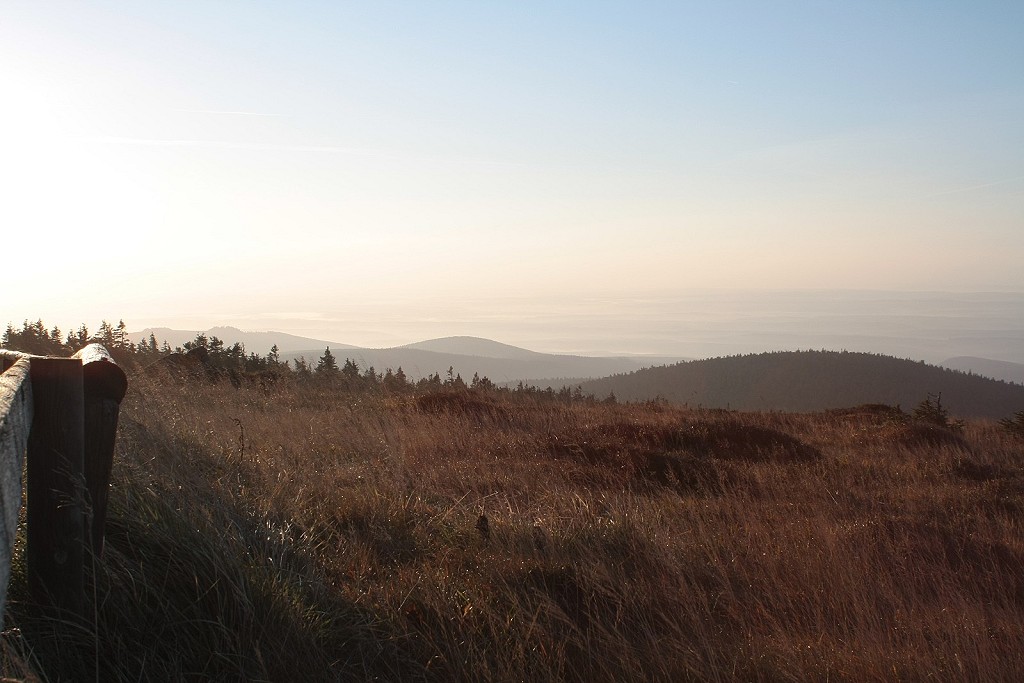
{"x":378,"y":173}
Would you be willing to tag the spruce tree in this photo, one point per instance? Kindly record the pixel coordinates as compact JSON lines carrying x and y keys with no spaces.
{"x":350,"y":370}
{"x":328,"y":365}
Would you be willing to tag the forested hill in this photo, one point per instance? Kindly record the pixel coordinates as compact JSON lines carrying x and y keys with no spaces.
{"x":814,"y":380}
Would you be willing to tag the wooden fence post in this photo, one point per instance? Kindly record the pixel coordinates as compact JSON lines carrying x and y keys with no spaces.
{"x":15,"y":424}
{"x":61,"y":414}
{"x":56,"y":485}
{"x":105,"y":385}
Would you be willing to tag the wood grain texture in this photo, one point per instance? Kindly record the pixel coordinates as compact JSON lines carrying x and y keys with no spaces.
{"x":15,"y":423}
{"x":9,"y":358}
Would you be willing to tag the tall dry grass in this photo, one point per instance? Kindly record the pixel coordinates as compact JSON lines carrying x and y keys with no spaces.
{"x":292,"y":532}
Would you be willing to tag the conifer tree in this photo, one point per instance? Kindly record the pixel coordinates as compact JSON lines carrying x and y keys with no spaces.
{"x":200,"y":342}
{"x":302,"y":369}
{"x":350,"y":369}
{"x":328,"y":365}
{"x":105,"y":335}
{"x":121,"y":335}
{"x":76,"y":340}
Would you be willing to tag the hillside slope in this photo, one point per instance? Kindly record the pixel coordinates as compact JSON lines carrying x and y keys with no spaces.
{"x":996,"y":369}
{"x":299,"y":531}
{"x":813,"y":380}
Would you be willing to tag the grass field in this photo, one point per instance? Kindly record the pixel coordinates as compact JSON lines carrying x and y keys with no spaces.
{"x":294,"y":532}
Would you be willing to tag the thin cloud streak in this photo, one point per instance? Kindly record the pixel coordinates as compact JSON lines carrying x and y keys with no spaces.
{"x":968,"y":188}
{"x":225,"y":113}
{"x":223,"y":144}
{"x":314,"y":149}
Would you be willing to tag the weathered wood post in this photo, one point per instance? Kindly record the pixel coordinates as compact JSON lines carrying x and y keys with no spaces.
{"x":105,"y":385}
{"x":15,"y":423}
{"x":61,"y":415}
{"x":56,"y":485}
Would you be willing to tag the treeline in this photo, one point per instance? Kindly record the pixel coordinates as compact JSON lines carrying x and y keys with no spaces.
{"x":349,"y":376}
{"x":210,"y":351}
{"x":34,"y":337}
{"x":219,"y":359}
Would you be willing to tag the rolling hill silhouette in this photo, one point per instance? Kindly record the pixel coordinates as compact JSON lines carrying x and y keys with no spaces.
{"x":465,"y":355}
{"x":474,"y":346}
{"x":803,"y":381}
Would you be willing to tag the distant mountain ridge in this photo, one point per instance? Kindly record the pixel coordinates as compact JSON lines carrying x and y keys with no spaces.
{"x":473,"y":346}
{"x":803,"y":381}
{"x":255,"y":342}
{"x":463,"y":354}
{"x":996,"y":369}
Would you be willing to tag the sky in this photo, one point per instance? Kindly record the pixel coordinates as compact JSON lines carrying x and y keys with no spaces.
{"x":376,"y":173}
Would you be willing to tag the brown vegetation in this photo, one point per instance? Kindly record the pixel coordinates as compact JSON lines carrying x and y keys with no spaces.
{"x":294,"y":531}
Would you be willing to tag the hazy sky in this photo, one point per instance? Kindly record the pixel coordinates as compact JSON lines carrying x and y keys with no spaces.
{"x":328,"y":167}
